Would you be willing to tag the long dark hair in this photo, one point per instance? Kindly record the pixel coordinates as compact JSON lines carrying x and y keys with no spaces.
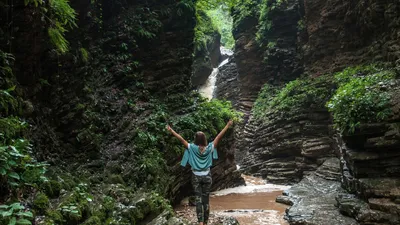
{"x":200,"y":140}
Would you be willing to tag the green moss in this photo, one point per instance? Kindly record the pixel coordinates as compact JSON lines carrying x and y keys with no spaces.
{"x":52,"y":188}
{"x":55,"y":216}
{"x":67,"y":182}
{"x":41,"y":202}
{"x":115,"y":179}
{"x":11,"y":127}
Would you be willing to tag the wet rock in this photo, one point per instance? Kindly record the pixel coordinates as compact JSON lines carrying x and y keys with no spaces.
{"x":366,"y":213}
{"x":229,"y":221}
{"x":284,"y":200}
{"x":225,"y":53}
{"x":227,"y":83}
{"x":285,"y":148}
{"x":205,"y":60}
{"x":166,"y":218}
{"x":313,"y":200}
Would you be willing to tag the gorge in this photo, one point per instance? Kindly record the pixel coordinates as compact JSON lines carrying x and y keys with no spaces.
{"x":87,"y":88}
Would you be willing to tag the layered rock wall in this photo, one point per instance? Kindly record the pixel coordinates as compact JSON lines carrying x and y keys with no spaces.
{"x":259,"y":63}
{"x":343,"y":33}
{"x":319,"y":37}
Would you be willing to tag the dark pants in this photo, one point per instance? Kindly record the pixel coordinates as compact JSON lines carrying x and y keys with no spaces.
{"x":202,"y":188}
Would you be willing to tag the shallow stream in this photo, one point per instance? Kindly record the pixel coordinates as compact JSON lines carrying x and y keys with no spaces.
{"x":253,"y":204}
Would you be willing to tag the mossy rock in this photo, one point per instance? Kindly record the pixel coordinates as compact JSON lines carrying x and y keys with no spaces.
{"x":41,"y":202}
{"x":115,"y":179}
{"x":52,"y":188}
{"x":72,"y":216}
{"x":68,"y":183}
{"x":55,"y":216}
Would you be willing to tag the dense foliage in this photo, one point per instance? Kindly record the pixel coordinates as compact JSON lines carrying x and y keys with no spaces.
{"x":355,"y":95}
{"x":223,"y":22}
{"x":362,"y":96}
{"x":60,"y":17}
{"x":205,"y":32}
{"x":19,"y":170}
{"x":307,"y":92}
{"x":244,"y":10}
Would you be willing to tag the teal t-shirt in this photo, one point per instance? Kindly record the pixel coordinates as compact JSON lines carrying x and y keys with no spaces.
{"x":197,"y":160}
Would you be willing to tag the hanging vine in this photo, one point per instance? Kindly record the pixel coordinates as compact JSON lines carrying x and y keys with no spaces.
{"x":60,"y":17}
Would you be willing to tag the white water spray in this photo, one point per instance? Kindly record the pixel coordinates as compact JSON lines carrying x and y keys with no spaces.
{"x":207,"y":89}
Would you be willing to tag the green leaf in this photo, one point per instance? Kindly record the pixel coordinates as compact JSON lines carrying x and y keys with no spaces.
{"x":17,"y":205}
{"x":12,"y":221}
{"x":26,"y":214}
{"x":24,"y":221}
{"x":3,"y":171}
{"x":7,"y":213}
{"x":11,"y":88}
{"x":4,"y":206}
{"x":14,"y":175}
{"x":14,"y":184}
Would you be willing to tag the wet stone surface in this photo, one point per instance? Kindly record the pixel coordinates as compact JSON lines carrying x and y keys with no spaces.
{"x":313,"y":200}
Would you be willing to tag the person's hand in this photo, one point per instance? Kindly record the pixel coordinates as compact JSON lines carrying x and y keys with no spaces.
{"x":169,"y":128}
{"x":230,"y":122}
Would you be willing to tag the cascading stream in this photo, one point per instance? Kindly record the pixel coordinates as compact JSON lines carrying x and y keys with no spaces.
{"x":208,"y":88}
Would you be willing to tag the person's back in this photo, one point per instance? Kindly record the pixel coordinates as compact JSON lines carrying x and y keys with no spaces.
{"x":199,"y":155}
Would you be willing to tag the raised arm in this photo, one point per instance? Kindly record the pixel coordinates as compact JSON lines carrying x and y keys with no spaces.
{"x":219,"y":136}
{"x":184,"y":142}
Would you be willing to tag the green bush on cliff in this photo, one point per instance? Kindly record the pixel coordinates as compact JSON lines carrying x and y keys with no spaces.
{"x":204,"y":31}
{"x":243,"y":10}
{"x":262,"y":103}
{"x":362,"y":96}
{"x":223,"y":22}
{"x":265,"y":23}
{"x":302,"y":93}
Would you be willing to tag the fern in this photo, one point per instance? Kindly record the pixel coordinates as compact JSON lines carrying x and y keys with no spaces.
{"x":84,"y":54}
{"x":63,"y":13}
{"x":60,"y":16}
{"x":57,"y":39}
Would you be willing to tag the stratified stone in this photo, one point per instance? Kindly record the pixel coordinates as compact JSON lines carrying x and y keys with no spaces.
{"x":313,"y":200}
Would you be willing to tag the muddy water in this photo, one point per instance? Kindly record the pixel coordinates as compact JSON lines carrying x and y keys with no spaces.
{"x":253,"y":204}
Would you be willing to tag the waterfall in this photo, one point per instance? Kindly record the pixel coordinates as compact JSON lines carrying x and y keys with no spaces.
{"x":207,"y":89}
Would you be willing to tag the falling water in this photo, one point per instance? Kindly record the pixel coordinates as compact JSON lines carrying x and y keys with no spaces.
{"x":207,"y":89}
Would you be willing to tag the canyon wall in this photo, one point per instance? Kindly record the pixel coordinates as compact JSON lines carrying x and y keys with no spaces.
{"x":315,"y":39}
{"x":98,"y":113}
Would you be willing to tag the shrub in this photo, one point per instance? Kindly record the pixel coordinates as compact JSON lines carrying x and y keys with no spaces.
{"x":301,"y":93}
{"x":15,"y":214}
{"x":362,"y":96}
{"x":41,"y":202}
